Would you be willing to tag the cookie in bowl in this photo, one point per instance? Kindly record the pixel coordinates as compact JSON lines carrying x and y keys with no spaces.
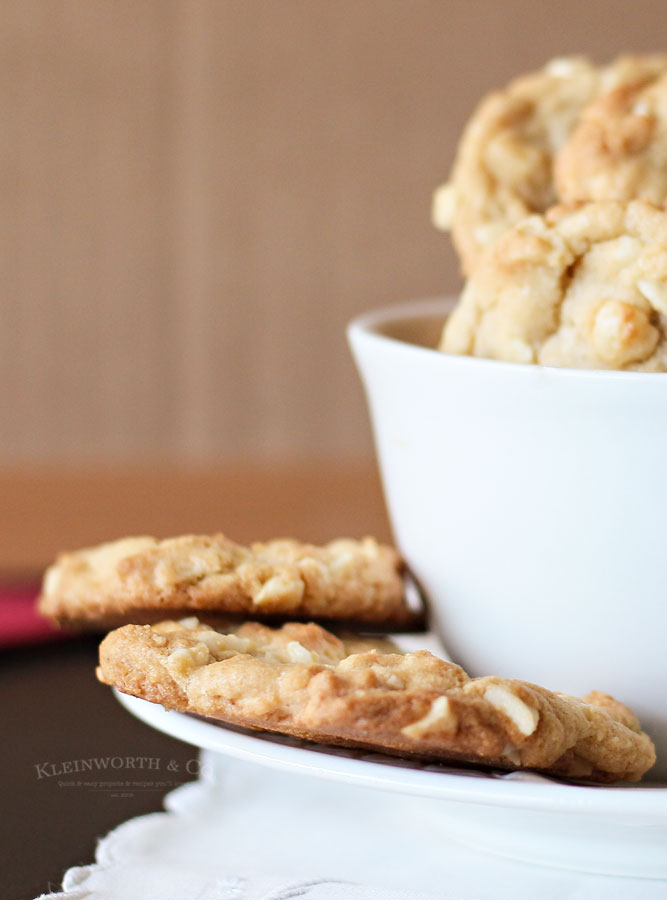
{"x":304,"y":681}
{"x":504,"y":167}
{"x":582,"y":287}
{"x":140,"y":579}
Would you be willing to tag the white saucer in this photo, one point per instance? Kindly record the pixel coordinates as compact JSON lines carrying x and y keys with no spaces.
{"x":605,"y":830}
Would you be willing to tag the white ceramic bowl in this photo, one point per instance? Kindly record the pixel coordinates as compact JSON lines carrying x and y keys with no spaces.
{"x":531,"y":503}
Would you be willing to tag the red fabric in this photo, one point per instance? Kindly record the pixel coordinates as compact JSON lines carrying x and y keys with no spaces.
{"x":19,"y":620}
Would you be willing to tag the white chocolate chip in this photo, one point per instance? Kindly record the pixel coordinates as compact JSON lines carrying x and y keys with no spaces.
{"x":182,"y":662}
{"x":52,"y":579}
{"x":238,"y":644}
{"x":440,"y":716}
{"x":625,"y":249}
{"x":519,"y":351}
{"x":105,"y":558}
{"x":487,"y":233}
{"x":563,"y":66}
{"x":174,"y":570}
{"x":641,"y":109}
{"x":511,"y":754}
{"x":443,"y":206}
{"x":622,"y":333}
{"x":280,"y":588}
{"x":222,"y":644}
{"x":523,"y":716}
{"x":342,"y":562}
{"x":656,"y":294}
{"x":297,"y":653}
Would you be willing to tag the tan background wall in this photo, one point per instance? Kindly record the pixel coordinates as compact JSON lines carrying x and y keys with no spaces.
{"x":196,"y":196}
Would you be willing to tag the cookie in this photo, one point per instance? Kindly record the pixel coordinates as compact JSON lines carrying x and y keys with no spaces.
{"x":582,"y":288}
{"x":302,"y":680}
{"x":143,"y":579}
{"x":504,"y":165}
{"x":618,"y":150}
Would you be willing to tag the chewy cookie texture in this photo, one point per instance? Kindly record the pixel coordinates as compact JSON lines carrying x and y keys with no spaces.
{"x":141,"y":579}
{"x":303,"y":680}
{"x":504,"y":167}
{"x":582,"y":287}
{"x":556,"y":204}
{"x":618,"y":150}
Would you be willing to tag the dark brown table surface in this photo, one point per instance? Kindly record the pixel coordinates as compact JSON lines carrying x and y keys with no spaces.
{"x":56,"y":713}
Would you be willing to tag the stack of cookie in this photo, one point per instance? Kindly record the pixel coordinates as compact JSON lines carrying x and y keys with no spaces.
{"x":321,"y":684}
{"x":556,"y":205}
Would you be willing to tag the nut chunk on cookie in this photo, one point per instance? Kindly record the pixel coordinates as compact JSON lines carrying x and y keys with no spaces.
{"x":139,"y":579}
{"x":582,"y":287}
{"x":302,"y":680}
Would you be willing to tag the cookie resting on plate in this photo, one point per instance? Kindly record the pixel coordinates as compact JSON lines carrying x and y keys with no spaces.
{"x":143,"y":579}
{"x":504,"y":167}
{"x":582,"y":287}
{"x":304,"y":681}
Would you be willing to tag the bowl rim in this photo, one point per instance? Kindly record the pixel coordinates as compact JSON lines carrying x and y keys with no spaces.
{"x":365,"y":327}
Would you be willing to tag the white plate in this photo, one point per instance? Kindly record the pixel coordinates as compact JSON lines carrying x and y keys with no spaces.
{"x":606,"y":830}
